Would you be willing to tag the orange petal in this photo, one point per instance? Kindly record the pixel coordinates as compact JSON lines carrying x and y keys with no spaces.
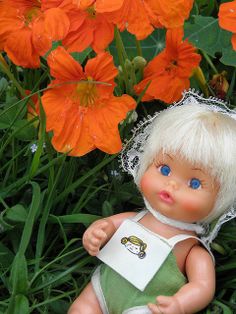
{"x":9,"y":23}
{"x":233,"y":40}
{"x":138,"y":19}
{"x":41,"y":40}
{"x":227,"y":16}
{"x":63,"y":66}
{"x":56,"y":23}
{"x":20,"y":49}
{"x":103,"y":34}
{"x":171,"y":14}
{"x":102,"y":68}
{"x":108,"y":5}
{"x":74,"y":138}
{"x":83,"y":4}
{"x":104,"y":130}
{"x":67,"y":121}
{"x":79,"y":39}
{"x":56,"y":104}
{"x":62,"y":4}
{"x":133,"y":16}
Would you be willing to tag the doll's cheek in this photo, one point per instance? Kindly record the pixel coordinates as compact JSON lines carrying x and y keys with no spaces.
{"x":190,"y":206}
{"x":144,"y":183}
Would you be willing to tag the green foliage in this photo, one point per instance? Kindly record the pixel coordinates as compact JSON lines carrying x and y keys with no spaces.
{"x":218,"y":40}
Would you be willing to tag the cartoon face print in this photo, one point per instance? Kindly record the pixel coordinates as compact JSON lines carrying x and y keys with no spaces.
{"x":178,"y":189}
{"x":132,"y":247}
{"x":135,"y":245}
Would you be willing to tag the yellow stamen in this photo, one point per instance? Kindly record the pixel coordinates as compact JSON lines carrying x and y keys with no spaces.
{"x":31,"y":14}
{"x":91,"y":12}
{"x":86,"y":92}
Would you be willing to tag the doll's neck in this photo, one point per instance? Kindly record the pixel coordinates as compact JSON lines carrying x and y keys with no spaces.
{"x":174,"y":223}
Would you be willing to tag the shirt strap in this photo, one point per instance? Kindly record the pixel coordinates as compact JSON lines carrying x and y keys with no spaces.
{"x":181,"y":237}
{"x":139,"y":215}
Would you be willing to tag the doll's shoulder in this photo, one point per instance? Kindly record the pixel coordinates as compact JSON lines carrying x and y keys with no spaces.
{"x":201,"y":254}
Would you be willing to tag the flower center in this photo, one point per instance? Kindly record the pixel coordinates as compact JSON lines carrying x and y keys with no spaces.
{"x":31,"y":14}
{"x":171,"y":66}
{"x":87,"y":92}
{"x":91,"y":12}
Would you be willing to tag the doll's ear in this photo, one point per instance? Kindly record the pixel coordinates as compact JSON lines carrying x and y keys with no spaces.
{"x":124,"y":240}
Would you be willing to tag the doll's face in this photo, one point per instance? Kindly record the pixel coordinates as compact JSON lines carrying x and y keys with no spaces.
{"x":178,"y":189}
{"x":132,"y":247}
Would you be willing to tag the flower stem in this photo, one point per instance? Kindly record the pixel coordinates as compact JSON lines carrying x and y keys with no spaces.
{"x":139,"y":48}
{"x":121,"y":52}
{"x":205,"y":55}
{"x":5,"y":68}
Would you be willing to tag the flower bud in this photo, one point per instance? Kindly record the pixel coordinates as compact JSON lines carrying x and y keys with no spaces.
{"x":128,"y":65}
{"x":220,"y":84}
{"x":139,"y":62}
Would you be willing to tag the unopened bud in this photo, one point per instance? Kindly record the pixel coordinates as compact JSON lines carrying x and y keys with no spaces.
{"x":139,"y":62}
{"x":128,"y":65}
{"x":220,"y":84}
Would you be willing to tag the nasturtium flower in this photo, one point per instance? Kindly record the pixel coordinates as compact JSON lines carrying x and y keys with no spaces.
{"x":140,"y":17}
{"x":80,"y":107}
{"x":169,"y":72}
{"x":83,"y":4}
{"x":27,"y":31}
{"x":88,"y":28}
{"x":227,"y":19}
{"x":171,"y":13}
{"x":134,"y":15}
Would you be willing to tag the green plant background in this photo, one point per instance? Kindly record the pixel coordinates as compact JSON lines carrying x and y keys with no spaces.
{"x":47,"y":199}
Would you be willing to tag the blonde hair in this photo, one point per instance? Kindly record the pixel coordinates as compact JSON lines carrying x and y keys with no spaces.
{"x":202,"y":136}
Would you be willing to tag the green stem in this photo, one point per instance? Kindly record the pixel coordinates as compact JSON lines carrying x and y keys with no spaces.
{"x":121,"y":52}
{"x":91,"y":172}
{"x":139,"y":48}
{"x":208,"y":59}
{"x":5,"y":68}
{"x":3,"y":203}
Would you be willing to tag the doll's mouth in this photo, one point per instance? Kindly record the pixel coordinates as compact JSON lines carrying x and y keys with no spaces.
{"x":166,"y":197}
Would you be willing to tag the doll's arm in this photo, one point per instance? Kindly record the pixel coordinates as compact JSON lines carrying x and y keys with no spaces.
{"x":197,"y":293}
{"x":99,"y":232}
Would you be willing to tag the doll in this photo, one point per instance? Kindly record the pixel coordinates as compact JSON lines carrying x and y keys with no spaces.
{"x":183,"y":161}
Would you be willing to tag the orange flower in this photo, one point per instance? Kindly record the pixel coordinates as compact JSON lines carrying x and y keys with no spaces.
{"x":141,"y":16}
{"x":135,"y":15}
{"x":173,"y":13}
{"x":83,"y":4}
{"x":88,"y":28}
{"x":27,"y":31}
{"x":80,"y":107}
{"x":169,"y":71}
{"x":227,"y":19}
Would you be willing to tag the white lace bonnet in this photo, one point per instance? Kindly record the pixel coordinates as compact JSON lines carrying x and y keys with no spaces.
{"x":133,"y":150}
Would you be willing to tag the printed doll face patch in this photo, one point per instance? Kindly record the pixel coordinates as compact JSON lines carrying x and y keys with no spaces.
{"x":134,"y":245}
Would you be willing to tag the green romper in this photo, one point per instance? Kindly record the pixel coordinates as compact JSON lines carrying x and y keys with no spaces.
{"x":118,"y":296}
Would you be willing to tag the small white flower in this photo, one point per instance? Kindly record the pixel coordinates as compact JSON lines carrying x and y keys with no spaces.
{"x":115,"y":173}
{"x":34,"y":147}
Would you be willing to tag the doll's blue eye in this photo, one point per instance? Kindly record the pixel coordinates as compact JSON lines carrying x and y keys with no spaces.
{"x":195,"y":184}
{"x":165,"y":170}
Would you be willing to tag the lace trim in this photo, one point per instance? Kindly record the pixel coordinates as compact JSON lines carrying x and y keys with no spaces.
{"x":199,"y":229}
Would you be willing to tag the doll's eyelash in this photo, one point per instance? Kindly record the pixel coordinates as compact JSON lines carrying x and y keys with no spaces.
{"x":158,"y":162}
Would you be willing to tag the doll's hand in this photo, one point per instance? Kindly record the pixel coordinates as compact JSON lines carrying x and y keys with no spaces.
{"x":166,"y":305}
{"x":97,"y":235}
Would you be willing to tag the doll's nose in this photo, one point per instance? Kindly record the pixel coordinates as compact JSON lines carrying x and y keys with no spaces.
{"x":172,"y":184}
